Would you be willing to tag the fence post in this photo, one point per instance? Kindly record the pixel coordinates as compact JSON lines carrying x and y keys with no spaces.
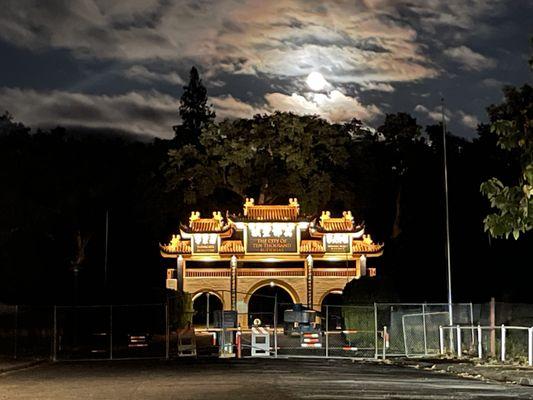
{"x":54,"y":349}
{"x":276,"y":326}
{"x":167,"y":333}
{"x":404,"y":336}
{"x":111,"y":332}
{"x":327,"y":330}
{"x":441,"y":339}
{"x":472,"y":321}
{"x":15,"y":342}
{"x":530,"y":346}
{"x":424,"y":329}
{"x":459,"y":352}
{"x":502,"y":342}
{"x":376,"y":330}
{"x":479,"y":342}
{"x":385,"y":340}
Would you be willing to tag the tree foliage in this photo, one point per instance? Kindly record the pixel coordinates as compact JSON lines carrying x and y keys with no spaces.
{"x":269,"y":157}
{"x":513,"y":204}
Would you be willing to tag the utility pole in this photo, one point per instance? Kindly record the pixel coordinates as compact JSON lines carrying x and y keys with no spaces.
{"x":448,"y":257}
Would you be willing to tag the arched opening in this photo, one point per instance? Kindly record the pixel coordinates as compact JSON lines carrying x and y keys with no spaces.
{"x":332,"y":310}
{"x":205,"y":304}
{"x":262,"y":303}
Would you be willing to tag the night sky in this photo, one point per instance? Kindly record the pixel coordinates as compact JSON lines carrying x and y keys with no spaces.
{"x":122,"y":65}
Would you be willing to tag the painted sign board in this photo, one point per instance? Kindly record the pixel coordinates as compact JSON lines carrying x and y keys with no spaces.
{"x":272,"y":237}
{"x":205,"y":243}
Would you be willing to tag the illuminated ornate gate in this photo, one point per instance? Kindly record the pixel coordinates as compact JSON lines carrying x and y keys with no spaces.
{"x":232,"y":256}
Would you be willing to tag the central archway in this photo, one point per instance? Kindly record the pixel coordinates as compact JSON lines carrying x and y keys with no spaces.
{"x":261,"y":304}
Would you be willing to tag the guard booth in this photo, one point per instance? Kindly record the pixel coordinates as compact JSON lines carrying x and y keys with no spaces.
{"x":231,"y":257}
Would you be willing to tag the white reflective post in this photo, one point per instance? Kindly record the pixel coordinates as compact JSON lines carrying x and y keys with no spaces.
{"x":441,"y":339}
{"x":458,"y":341}
{"x":502,"y":342}
{"x":384,"y":341}
{"x":479,"y":342}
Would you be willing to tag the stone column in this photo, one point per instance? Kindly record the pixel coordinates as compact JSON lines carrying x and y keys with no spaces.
{"x":309,"y":278}
{"x":180,"y":266}
{"x":233,"y":266}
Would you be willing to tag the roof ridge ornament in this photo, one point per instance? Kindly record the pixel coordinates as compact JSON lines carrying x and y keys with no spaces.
{"x":217,"y":216}
{"x":367,"y":239}
{"x":326,"y":215}
{"x":194,"y":216}
{"x":347,"y":216}
{"x":249,"y":202}
{"x":294,"y":202}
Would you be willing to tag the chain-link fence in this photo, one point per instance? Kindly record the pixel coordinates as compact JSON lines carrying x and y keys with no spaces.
{"x":107,"y":332}
{"x":85,"y":332}
{"x":355,"y":331}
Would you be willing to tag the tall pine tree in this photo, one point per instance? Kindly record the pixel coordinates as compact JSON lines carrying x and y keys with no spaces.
{"x":194,"y":111}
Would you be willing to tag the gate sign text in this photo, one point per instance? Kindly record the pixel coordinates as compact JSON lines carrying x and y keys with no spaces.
{"x":337,"y":242}
{"x":205,"y":243}
{"x":271,"y":237}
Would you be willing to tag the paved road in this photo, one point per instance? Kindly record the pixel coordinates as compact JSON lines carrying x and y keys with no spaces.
{"x":250,"y":379}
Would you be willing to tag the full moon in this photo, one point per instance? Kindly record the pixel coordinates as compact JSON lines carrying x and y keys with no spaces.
{"x":316,"y":81}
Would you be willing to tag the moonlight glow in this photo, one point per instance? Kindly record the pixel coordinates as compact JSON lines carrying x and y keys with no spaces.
{"x":316,"y":81}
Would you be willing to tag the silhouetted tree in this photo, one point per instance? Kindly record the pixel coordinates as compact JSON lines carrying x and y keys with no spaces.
{"x":194,"y":111}
{"x":400,"y":134}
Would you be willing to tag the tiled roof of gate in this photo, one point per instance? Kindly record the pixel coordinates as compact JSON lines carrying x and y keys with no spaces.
{"x":268,"y":212}
{"x":231,"y":246}
{"x":311,"y":246}
{"x":176,"y":247}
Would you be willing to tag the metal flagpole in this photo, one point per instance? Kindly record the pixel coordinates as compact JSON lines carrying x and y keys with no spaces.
{"x":448,"y":258}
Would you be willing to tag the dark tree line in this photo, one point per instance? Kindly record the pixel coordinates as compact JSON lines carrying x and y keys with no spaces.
{"x":58,"y":185}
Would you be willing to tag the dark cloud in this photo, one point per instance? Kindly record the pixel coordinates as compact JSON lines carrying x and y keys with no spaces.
{"x":377,"y":55}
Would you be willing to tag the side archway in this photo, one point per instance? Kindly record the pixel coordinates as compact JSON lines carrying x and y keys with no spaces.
{"x":331,"y":297}
{"x":205,"y":303}
{"x":331,"y":308}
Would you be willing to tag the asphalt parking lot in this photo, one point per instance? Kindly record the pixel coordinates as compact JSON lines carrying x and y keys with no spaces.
{"x":271,"y":379}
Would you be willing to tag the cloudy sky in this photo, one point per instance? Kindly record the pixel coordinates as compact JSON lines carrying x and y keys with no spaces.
{"x":105,"y":63}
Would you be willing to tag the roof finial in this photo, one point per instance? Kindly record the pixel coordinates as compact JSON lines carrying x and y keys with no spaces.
{"x":248,"y":203}
{"x":347,"y":216}
{"x":294,"y":202}
{"x":367,"y":239}
{"x":324,"y":217}
{"x":174,"y":241}
{"x":194,"y":216}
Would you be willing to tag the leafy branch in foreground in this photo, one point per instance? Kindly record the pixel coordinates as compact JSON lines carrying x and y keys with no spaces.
{"x":514,"y":204}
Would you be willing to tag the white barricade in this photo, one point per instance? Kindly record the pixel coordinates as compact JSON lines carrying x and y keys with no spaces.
{"x":260,"y":342}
